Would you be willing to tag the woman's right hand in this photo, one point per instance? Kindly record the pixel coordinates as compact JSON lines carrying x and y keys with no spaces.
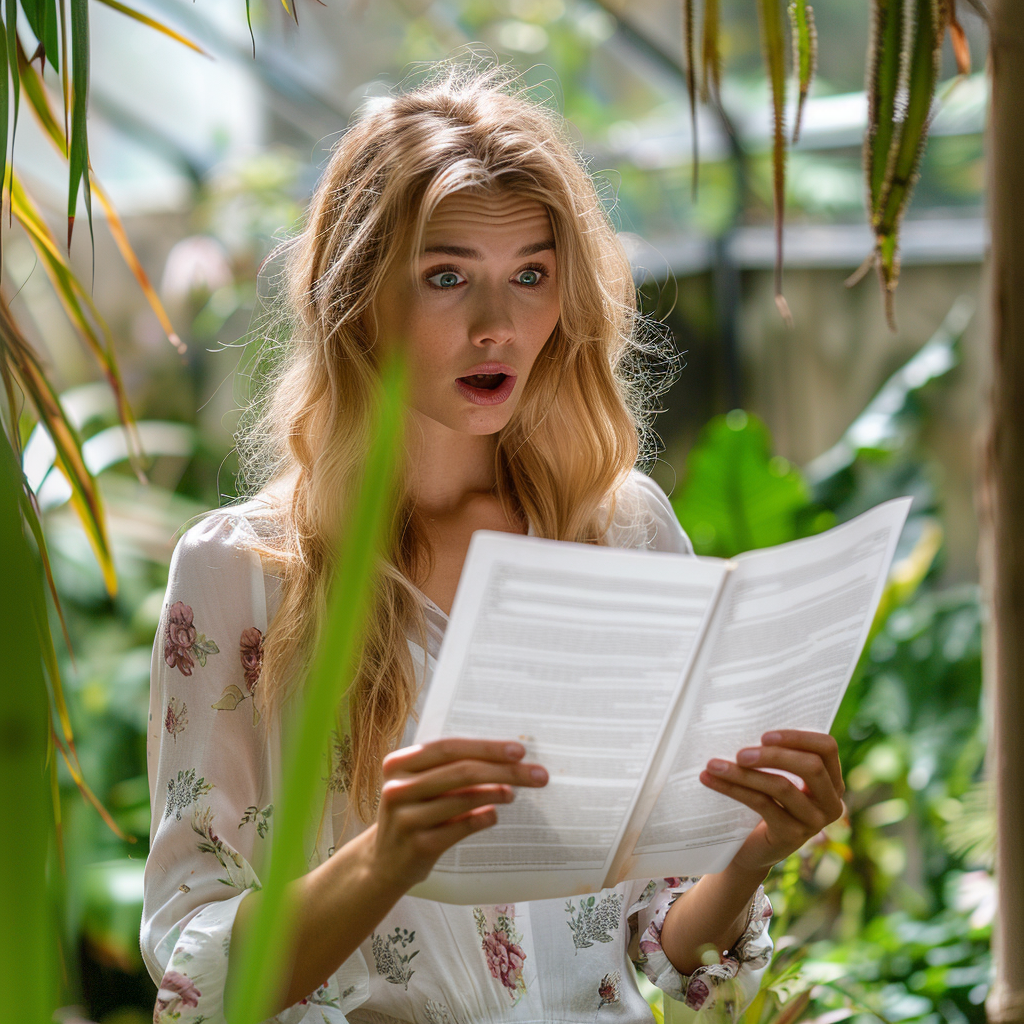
{"x":435,"y":794}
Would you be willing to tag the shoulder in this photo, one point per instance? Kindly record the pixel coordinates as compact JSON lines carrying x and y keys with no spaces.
{"x":219,"y":549}
{"x":644,"y":518}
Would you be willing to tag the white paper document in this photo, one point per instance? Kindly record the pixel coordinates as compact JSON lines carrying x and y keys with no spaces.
{"x":623,"y":671}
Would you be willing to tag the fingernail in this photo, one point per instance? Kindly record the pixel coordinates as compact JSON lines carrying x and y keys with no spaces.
{"x":772,"y":737}
{"x":515,"y":750}
{"x":718,"y":767}
{"x":538,"y":775}
{"x":749,"y":756}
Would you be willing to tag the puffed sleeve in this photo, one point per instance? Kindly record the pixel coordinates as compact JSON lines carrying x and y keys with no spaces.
{"x":209,"y":774}
{"x":644,"y":518}
{"x":719,"y":991}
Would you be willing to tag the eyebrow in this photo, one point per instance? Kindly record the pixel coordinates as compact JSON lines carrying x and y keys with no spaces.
{"x":465,"y":253}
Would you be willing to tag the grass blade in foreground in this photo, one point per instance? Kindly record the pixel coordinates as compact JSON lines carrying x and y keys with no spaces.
{"x":261,"y":960}
{"x":27,"y":951}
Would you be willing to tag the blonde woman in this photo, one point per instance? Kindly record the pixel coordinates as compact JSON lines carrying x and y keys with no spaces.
{"x":457,"y":221}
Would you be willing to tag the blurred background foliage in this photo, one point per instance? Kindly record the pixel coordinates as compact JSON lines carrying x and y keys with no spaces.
{"x":767,"y":435}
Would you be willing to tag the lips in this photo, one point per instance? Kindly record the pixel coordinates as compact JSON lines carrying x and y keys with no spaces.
{"x":486,"y":385}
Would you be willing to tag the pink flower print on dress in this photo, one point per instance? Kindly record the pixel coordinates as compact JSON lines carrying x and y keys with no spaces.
{"x":504,"y":958}
{"x":183,"y":646}
{"x":179,"y":636}
{"x":608,"y":990}
{"x":500,"y":943}
{"x":251,"y":653}
{"x":175,"y":990}
{"x":697,"y":993}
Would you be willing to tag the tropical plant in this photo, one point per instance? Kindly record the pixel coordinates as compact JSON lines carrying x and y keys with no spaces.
{"x":902,"y":74}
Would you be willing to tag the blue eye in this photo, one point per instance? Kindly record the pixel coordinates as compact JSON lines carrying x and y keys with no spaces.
{"x":532,"y":273}
{"x":445,"y":279}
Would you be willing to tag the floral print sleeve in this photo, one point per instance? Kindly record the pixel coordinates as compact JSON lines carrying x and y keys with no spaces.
{"x":720,"y":991}
{"x":208,"y":770}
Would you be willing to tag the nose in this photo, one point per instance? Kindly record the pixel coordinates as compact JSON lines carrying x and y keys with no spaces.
{"x":490,"y":319}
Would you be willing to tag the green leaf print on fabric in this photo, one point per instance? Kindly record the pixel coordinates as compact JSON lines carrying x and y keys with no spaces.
{"x":239,"y":873}
{"x":392,"y":964}
{"x":262,"y":818}
{"x":183,"y":646}
{"x":183,"y":791}
{"x":594,"y":922}
{"x":502,"y":949}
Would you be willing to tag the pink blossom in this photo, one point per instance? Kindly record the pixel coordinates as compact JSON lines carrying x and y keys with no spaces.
{"x":181,"y":986}
{"x":504,"y":958}
{"x":179,"y":636}
{"x":697,"y":993}
{"x":251,"y":653}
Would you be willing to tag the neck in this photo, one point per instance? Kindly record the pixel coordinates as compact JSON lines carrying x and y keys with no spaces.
{"x":446,"y":467}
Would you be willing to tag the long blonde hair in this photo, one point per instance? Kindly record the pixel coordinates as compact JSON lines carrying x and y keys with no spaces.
{"x":579,"y":428}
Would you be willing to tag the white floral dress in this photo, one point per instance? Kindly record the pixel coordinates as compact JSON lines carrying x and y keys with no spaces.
{"x":213,"y":774}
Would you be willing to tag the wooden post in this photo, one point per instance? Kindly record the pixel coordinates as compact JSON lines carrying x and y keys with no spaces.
{"x":1001,"y":504}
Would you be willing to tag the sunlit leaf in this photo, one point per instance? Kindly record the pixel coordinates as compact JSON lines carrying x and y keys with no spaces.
{"x":153,"y":23}
{"x":78,"y":158}
{"x":85,"y":495}
{"x":39,"y":100}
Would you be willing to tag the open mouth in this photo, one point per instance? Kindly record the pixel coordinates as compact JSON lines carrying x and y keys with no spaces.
{"x":485,"y":381}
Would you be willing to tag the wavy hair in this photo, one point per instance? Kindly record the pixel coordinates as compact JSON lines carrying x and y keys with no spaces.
{"x":579,"y":428}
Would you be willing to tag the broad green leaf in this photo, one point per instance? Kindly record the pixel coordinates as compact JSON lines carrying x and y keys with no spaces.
{"x":28,"y":962}
{"x":736,"y":497}
{"x":262,"y":956}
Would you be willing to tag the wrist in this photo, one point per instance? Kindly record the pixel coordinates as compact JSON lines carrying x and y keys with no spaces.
{"x":380,"y":878}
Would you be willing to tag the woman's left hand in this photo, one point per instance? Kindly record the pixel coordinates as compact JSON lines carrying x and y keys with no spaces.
{"x":791,"y":814}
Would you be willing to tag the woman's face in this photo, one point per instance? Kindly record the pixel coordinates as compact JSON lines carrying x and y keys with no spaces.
{"x":487,"y":303}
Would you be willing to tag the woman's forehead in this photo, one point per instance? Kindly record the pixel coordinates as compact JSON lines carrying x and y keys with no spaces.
{"x":494,"y":214}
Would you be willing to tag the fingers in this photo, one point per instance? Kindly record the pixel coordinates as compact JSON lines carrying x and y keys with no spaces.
{"x":766,"y":793}
{"x":458,"y":775}
{"x":422,"y":756}
{"x":820,"y":743}
{"x":808,"y":766}
{"x":451,"y":807}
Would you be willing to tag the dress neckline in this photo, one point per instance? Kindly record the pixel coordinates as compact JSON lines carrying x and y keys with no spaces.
{"x":436,"y":607}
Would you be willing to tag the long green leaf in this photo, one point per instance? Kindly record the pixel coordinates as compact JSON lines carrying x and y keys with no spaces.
{"x":901,"y":171}
{"x":884,"y":62}
{"x":40,"y":103}
{"x":78,"y":159}
{"x":262,"y":956}
{"x":153,"y":23}
{"x":11,"y":26}
{"x":689,"y":63}
{"x":85,"y":495}
{"x":774,"y":47}
{"x":4,"y":101}
{"x":711,"y":54}
{"x":72,"y":297}
{"x":805,"y":55}
{"x":27,"y":953}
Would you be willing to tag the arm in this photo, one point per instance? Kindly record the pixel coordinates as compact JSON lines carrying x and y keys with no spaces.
{"x":433,"y":795}
{"x":715,"y":911}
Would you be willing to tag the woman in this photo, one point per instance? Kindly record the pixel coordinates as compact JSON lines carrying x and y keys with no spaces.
{"x":457,"y":222}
